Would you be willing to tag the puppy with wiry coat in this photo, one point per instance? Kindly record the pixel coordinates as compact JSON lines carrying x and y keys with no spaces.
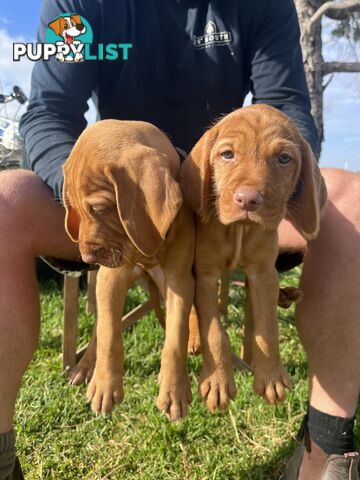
{"x":124,"y":207}
{"x":241,"y":178}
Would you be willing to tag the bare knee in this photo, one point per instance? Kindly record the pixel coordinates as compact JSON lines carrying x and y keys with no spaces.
{"x":30,"y":218}
{"x":327,"y":317}
{"x":331,"y":270}
{"x":17,"y":189}
{"x":340,"y":223}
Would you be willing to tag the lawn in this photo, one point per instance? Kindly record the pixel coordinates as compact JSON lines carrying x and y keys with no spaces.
{"x":60,"y":438}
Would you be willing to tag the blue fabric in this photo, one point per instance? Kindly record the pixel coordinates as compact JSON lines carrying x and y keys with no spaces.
{"x":167,"y":80}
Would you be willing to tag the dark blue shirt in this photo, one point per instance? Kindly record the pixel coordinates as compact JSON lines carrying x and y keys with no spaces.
{"x":170,"y":79}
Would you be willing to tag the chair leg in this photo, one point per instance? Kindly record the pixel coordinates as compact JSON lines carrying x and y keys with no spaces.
{"x":136,"y":314}
{"x":91,"y":291}
{"x":71,"y":291}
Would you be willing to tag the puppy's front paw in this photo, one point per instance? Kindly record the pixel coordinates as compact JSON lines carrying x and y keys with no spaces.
{"x":217,"y":387}
{"x":105,"y":391}
{"x":174,"y":395}
{"x":271,"y":383}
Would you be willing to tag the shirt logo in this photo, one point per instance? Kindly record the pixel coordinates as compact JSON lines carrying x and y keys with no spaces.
{"x":211,"y":37}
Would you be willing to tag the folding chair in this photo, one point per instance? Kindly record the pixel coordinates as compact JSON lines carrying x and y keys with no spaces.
{"x":72,"y":272}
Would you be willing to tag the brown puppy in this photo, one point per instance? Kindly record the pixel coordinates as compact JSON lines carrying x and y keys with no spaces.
{"x":124,"y":207}
{"x":240,"y":179}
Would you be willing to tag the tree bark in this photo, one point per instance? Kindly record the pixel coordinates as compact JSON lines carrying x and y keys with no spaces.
{"x":333,"y":9}
{"x":311,"y":44}
{"x":310,"y":13}
{"x":341,"y":14}
{"x":341,"y":67}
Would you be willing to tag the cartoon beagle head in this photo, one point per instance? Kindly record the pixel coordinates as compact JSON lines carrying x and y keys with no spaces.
{"x":68,"y":27}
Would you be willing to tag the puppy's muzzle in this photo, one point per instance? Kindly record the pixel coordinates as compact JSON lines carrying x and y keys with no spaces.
{"x":110,"y":258}
{"x":88,"y":257}
{"x":91,"y":253}
{"x":248,"y":200}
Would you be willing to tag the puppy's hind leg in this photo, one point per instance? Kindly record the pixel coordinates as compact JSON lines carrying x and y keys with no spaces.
{"x":246,"y":350}
{"x":194,"y":344}
{"x":84,"y":369}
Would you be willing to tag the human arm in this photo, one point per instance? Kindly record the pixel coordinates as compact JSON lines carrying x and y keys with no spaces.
{"x":58,"y":101}
{"x":277,"y":72}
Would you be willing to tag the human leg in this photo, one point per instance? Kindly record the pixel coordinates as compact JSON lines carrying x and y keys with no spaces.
{"x":31,"y":224}
{"x":328,"y":316}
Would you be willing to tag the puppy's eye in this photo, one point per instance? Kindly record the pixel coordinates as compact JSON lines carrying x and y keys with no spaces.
{"x":284,"y":158}
{"x":227,"y":155}
{"x":98,"y":209}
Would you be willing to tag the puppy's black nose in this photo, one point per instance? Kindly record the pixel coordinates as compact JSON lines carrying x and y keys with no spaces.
{"x":247,"y":199}
{"x":79,"y":26}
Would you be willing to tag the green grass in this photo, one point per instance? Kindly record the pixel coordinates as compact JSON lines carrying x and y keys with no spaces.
{"x":60,"y":438}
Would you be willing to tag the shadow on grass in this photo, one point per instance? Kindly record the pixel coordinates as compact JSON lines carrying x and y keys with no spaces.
{"x":53,"y":342}
{"x":272,"y":469}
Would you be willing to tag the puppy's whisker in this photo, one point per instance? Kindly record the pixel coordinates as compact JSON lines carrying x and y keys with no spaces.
{"x":126,"y":257}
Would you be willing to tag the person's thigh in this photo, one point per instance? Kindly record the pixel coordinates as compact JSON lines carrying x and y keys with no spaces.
{"x":31,"y":219}
{"x":31,"y":223}
{"x":328,"y":317}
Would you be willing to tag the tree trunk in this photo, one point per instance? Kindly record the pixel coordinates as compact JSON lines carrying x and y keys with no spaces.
{"x":311,"y":44}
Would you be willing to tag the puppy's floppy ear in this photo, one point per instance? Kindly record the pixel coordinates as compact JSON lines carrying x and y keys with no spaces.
{"x":72,"y":219}
{"x":57,"y":25}
{"x":148,"y":197}
{"x":76,"y":18}
{"x":195,"y":174}
{"x":72,"y":224}
{"x":305,"y":206}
